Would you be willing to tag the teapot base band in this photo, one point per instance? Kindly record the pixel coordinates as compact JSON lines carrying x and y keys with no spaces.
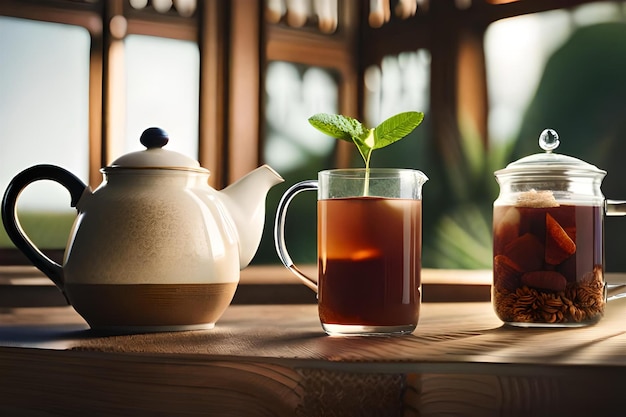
{"x":150,"y":329}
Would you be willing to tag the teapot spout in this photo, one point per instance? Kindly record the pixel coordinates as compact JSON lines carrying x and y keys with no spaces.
{"x":245,"y":201}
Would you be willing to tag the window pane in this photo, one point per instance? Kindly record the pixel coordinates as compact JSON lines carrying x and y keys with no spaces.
{"x":567,"y":74}
{"x":293,"y":93}
{"x":401,"y":83}
{"x":44,"y":103}
{"x":515,"y":64}
{"x":162,"y":89}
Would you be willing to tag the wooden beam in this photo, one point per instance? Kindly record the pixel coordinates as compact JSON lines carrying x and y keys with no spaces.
{"x":244,"y":87}
{"x":213,"y":89}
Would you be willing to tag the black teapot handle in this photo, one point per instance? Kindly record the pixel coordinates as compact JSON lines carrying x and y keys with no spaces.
{"x":12,"y":225}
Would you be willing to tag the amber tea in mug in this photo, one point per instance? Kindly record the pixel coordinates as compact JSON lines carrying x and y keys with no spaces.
{"x":369,"y":241}
{"x":369,"y":271}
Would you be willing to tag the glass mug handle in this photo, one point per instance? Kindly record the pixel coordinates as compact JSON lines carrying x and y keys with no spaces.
{"x":279,"y":230}
{"x":615,"y":208}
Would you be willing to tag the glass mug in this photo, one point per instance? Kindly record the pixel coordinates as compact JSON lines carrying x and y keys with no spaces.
{"x":369,"y":243}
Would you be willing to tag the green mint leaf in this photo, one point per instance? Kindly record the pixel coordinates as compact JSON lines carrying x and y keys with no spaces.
{"x":396,"y":127}
{"x":338,"y":126}
{"x":366,"y":140}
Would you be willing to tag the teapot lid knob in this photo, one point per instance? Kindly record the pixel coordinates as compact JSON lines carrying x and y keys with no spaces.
{"x":154,"y":137}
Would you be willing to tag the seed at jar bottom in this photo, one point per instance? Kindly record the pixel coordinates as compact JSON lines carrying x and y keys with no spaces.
{"x":577,"y":303}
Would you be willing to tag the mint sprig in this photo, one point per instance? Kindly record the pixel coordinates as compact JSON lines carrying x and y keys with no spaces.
{"x":367,"y":140}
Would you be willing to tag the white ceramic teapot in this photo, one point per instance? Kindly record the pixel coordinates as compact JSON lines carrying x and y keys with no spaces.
{"x":154,"y":247}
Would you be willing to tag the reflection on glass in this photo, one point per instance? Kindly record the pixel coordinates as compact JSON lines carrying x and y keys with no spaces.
{"x":44,"y":104}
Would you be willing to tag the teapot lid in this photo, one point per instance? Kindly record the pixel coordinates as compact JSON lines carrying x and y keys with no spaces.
{"x":549,"y":163}
{"x":154,"y":156}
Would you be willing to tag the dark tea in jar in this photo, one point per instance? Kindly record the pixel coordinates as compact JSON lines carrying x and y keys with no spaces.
{"x":548,"y":261}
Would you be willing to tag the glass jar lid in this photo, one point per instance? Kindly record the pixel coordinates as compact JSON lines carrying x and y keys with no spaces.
{"x":549,"y":163}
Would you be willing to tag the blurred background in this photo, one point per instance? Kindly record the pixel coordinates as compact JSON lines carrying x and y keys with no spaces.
{"x":234,"y":82}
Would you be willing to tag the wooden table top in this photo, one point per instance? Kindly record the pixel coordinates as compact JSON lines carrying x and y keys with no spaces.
{"x":276,"y":360}
{"x":453,"y":333}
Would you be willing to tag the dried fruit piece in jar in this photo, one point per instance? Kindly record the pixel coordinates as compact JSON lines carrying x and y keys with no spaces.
{"x":559,"y":246}
{"x":506,"y":273}
{"x":569,"y":268}
{"x":507,"y":227}
{"x":527,"y":251}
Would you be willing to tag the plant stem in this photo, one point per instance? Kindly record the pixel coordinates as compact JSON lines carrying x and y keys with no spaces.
{"x":366,"y":185}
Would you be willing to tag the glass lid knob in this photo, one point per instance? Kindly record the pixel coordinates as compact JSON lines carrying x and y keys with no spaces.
{"x":549,"y":140}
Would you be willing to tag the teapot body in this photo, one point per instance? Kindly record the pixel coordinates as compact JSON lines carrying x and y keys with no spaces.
{"x":149,"y":242}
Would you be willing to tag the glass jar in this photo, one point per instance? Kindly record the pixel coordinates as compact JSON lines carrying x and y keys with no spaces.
{"x":548,"y":237}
